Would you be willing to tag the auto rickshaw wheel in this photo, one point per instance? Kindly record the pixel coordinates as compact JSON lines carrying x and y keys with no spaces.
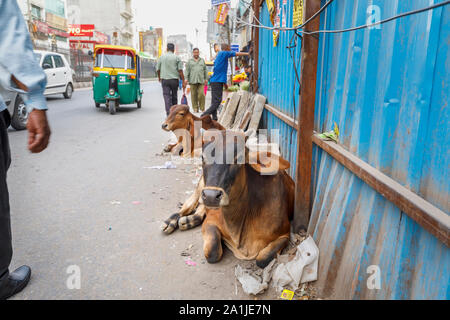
{"x":112,"y":106}
{"x":97,"y":105}
{"x":139,"y":104}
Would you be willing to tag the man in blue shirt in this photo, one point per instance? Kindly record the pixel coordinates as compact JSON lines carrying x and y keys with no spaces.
{"x":20,"y":72}
{"x":219,"y":78}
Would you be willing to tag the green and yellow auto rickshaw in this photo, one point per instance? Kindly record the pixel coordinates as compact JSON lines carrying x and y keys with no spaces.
{"x":116,"y":77}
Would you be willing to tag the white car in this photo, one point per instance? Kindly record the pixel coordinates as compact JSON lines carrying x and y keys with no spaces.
{"x":16,"y":108}
{"x":59,"y":80}
{"x":59,"y":73}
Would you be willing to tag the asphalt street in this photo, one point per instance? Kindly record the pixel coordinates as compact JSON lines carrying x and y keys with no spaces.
{"x":90,"y":203}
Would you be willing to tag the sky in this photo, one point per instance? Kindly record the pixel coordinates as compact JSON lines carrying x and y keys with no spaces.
{"x":176,"y":17}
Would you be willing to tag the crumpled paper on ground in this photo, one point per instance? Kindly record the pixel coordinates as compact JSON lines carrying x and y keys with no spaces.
{"x":167,"y":165}
{"x":251,"y":282}
{"x":301,"y":269}
{"x":283,"y":271}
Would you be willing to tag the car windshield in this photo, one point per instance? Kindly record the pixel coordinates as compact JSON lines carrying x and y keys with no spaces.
{"x":114,"y":59}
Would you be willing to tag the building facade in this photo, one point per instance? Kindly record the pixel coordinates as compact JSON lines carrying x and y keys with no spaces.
{"x":183,"y":47}
{"x":114,"y":18}
{"x":151,"y":42}
{"x":47,"y":22}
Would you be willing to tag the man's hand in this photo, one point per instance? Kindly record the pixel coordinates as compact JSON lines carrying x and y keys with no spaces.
{"x":38,"y":131}
{"x":206,"y":83}
{"x":184,"y":85}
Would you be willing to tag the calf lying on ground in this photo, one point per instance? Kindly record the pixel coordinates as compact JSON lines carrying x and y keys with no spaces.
{"x":181,"y":118}
{"x":249,"y":206}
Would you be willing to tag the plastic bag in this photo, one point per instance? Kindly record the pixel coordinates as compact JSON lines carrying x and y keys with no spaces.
{"x":184,"y":100}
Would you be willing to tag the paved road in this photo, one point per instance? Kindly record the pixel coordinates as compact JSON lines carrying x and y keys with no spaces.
{"x":65,"y":210}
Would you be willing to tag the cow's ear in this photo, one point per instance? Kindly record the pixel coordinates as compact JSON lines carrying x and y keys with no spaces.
{"x":267,"y":163}
{"x":172,"y":108}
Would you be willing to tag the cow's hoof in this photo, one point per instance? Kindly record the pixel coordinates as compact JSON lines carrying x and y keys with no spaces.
{"x":171,"y":224}
{"x":183,"y":223}
{"x":189,"y":222}
{"x":264,"y":262}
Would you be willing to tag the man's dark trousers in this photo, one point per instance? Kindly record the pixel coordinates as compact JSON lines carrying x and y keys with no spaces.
{"x":5,"y":224}
{"x":216,"y":99}
{"x":170,"y":93}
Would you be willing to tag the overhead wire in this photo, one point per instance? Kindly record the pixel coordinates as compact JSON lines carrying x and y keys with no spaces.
{"x":369,"y":25}
{"x":298,"y":33}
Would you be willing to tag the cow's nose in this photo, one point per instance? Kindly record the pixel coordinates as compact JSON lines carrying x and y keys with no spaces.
{"x":164,"y":126}
{"x":212,"y":197}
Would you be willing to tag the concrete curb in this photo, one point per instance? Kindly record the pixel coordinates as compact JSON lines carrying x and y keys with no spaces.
{"x":79,"y":85}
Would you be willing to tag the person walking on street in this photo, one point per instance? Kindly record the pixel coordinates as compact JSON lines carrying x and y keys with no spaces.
{"x":219,"y":78}
{"x":20,"y":72}
{"x":197,"y":77}
{"x":170,"y":70}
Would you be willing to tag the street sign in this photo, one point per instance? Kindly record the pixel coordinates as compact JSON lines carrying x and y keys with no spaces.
{"x":81,"y":30}
{"x":217,"y":2}
{"x":235,"y":47}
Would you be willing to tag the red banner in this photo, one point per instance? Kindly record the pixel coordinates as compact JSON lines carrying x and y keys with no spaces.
{"x":101,"y":37}
{"x":81,"y":30}
{"x":46,"y":29}
{"x":58,"y":32}
{"x":41,"y":26}
{"x":222,"y":14}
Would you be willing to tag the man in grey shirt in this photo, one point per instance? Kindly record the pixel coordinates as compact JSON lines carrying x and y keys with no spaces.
{"x":170,"y":70}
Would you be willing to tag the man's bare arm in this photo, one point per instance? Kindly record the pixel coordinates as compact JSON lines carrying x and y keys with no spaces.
{"x":182,"y":78}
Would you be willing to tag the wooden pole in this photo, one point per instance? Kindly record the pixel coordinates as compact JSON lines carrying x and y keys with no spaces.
{"x":255,"y":71}
{"x":310,"y":46}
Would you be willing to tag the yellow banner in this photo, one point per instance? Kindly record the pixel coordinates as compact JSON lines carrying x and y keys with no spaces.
{"x":298,"y":13}
{"x":271,"y":9}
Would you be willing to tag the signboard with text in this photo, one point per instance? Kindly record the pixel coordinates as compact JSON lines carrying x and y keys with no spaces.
{"x":222,"y":14}
{"x":235,"y":47}
{"x":81,"y":30}
{"x":101,"y":37}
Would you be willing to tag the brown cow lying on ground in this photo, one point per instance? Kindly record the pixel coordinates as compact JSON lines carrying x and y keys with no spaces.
{"x":248,"y":210}
{"x":181,"y":118}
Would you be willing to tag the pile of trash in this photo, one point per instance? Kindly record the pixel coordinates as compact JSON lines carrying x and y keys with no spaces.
{"x":298,"y":265}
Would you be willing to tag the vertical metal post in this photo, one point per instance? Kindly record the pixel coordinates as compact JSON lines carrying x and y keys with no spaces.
{"x":310,"y":46}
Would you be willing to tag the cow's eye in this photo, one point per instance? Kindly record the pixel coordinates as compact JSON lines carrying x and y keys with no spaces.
{"x":181,"y":114}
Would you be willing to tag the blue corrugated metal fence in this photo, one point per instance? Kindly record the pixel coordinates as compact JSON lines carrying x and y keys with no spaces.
{"x":388,"y":90}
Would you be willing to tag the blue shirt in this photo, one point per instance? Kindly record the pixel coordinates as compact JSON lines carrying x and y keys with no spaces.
{"x":17,"y":58}
{"x":221,"y":66}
